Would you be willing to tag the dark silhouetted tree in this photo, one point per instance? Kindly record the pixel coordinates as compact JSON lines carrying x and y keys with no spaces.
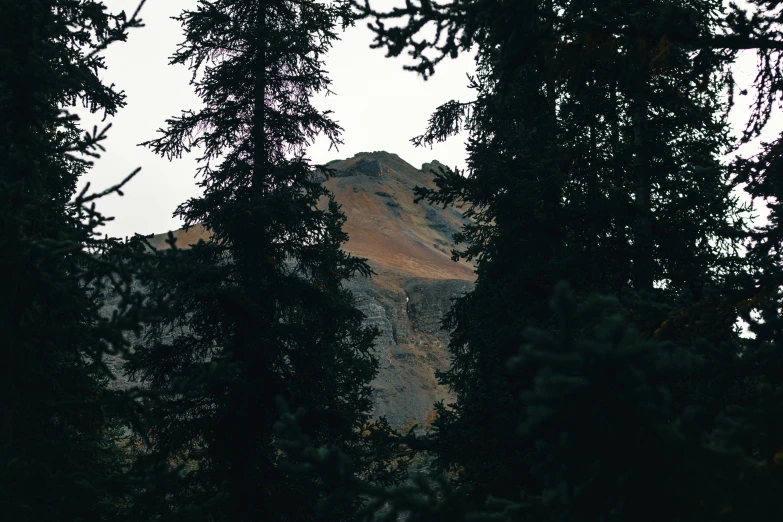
{"x":259,"y":310}
{"x":594,"y":144}
{"x":59,"y":425}
{"x":620,"y":415}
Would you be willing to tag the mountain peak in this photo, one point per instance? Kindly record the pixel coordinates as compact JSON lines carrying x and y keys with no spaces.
{"x":433,"y":165}
{"x":374,"y":164}
{"x":380,"y":163}
{"x":400,"y":238}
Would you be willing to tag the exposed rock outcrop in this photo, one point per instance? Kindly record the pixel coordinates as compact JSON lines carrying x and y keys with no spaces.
{"x":408,"y":245}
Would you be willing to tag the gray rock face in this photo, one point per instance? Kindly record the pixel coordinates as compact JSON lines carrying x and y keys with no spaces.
{"x":412,"y":376}
{"x":434,"y":165}
{"x":411,"y":347}
{"x":383,"y":309}
{"x":430,"y":300}
{"x":368,"y":164}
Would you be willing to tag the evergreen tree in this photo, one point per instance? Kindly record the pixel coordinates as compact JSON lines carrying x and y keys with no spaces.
{"x":259,"y":310}
{"x":612,"y":433}
{"x":59,"y":457}
{"x":622,"y":451}
{"x":753,"y":413}
{"x":617,"y":189}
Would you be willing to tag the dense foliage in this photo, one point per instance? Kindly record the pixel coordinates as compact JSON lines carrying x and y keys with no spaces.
{"x":587,"y":163}
{"x":593,"y":159}
{"x":259,"y":310}
{"x":597,"y":367}
{"x":59,"y":426}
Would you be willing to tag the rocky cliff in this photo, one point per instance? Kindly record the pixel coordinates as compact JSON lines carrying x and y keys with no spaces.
{"x":408,"y":246}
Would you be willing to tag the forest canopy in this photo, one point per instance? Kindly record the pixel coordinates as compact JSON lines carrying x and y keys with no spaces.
{"x":597,"y":369}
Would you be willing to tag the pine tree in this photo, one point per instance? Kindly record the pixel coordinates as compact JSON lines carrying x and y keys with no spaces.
{"x":259,"y":310}
{"x":59,"y":426}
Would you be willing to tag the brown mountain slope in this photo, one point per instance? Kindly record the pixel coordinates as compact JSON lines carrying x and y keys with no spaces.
{"x":400,"y":238}
{"x":408,"y":245}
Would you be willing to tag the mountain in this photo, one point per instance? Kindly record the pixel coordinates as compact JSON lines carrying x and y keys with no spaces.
{"x":408,"y":245}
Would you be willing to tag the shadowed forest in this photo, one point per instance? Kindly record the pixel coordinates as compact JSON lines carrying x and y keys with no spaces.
{"x":598,"y":369}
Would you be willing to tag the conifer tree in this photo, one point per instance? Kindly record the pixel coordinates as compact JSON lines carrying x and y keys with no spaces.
{"x":677,"y":459}
{"x":754,"y":404}
{"x":59,"y":457}
{"x":610,"y":433}
{"x":259,"y":310}
{"x":622,"y":451}
{"x":592,"y":158}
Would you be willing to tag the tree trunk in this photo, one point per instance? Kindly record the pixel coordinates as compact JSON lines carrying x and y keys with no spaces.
{"x":247,"y":456}
{"x":620,"y":220}
{"x":259,"y":86}
{"x":592,"y":210}
{"x":643,"y":242}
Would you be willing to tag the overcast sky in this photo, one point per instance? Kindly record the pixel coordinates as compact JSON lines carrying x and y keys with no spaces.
{"x":379,"y":105}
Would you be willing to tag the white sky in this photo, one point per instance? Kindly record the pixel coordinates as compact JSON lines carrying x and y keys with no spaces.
{"x":379,"y":105}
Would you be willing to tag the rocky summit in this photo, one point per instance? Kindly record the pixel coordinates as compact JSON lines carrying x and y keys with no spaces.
{"x":408,"y":245}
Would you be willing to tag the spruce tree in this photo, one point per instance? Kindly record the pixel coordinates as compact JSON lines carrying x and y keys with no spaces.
{"x":259,"y":310}
{"x":622,"y":451}
{"x":593,"y":159}
{"x":59,"y":429}
{"x":670,"y":423}
{"x":753,"y":413}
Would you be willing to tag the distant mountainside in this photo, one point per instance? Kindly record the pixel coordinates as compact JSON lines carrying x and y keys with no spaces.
{"x":400,"y":238}
{"x":408,"y":245}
